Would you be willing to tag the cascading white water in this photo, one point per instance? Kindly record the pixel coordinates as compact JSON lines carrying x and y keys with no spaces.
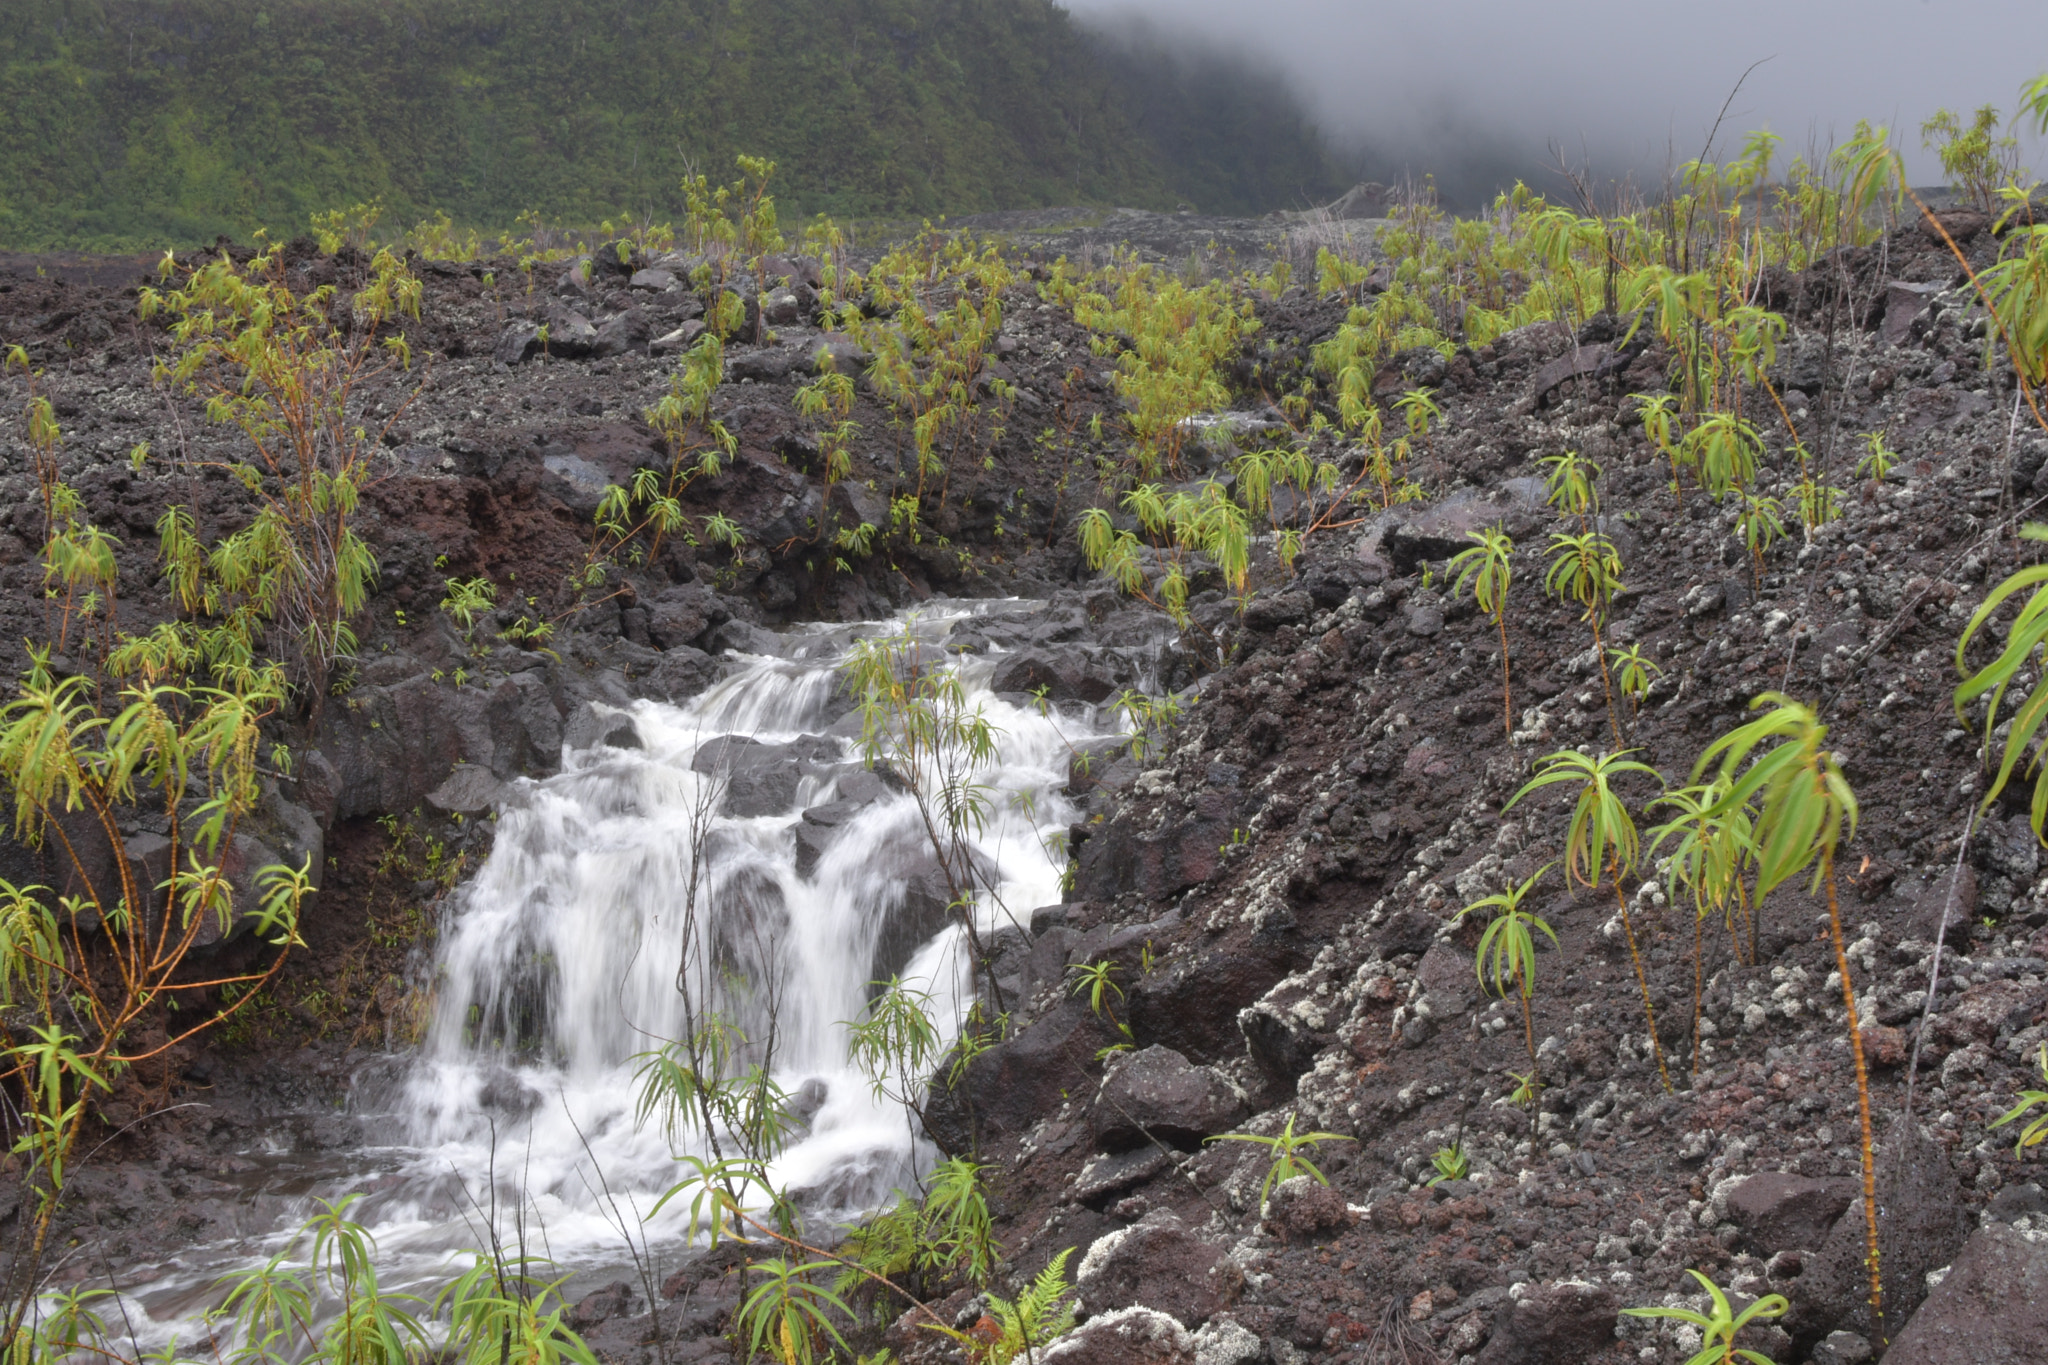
{"x":559,"y":964}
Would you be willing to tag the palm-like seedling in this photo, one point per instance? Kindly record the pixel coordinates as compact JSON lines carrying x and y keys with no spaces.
{"x":1880,"y":458}
{"x":1507,"y":954}
{"x":1760,"y":523}
{"x":1633,"y":673}
{"x":1707,"y":858}
{"x":1488,"y":568}
{"x":1287,"y":1147}
{"x":2023,"y":642}
{"x":1586,"y":569}
{"x":1601,"y":842}
{"x":1725,"y":450}
{"x":1819,"y":503}
{"x":1660,"y":428}
{"x":1572,"y":484}
{"x":1719,"y":1329}
{"x":1805,"y":801}
{"x":1418,"y":411}
{"x":2036,"y":1130}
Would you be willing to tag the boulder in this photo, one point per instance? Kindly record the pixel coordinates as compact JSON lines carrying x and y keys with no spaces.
{"x":1091,"y":761}
{"x":837,"y":353}
{"x":1990,"y":1309}
{"x":1411,"y":930}
{"x":469,"y":790}
{"x":1954,"y":895}
{"x":1922,"y":1222}
{"x":2013,"y":1202}
{"x":680,"y":615}
{"x":1841,"y":1348}
{"x":569,"y":332}
{"x":1154,"y":1263}
{"x":1224,"y":1341}
{"x":598,"y":723}
{"x":1106,"y":1176}
{"x":1407,"y":538}
{"x":652,"y":279}
{"x":818,"y":827}
{"x":811,"y":843}
{"x":760,"y":779}
{"x":1424,"y":620}
{"x":712,"y":1263}
{"x":767,"y":366}
{"x":1904,"y":305}
{"x":614,"y":1300}
{"x":682,"y":673}
{"x":1159,"y":1095}
{"x":391,"y":745}
{"x":1589,"y":361}
{"x":781,"y":308}
{"x":579,"y":483}
{"x":1158,"y":864}
{"x":1303,"y":1207}
{"x":1552,"y":1324}
{"x":1987,"y":1008}
{"x":923,"y":907}
{"x":1270,"y":611}
{"x":1019,"y":1081}
{"x":516,"y":342}
{"x":1778,"y":1211}
{"x":1045,"y":966}
{"x":852,"y":505}
{"x":681,"y":339}
{"x":1961,"y":224}
{"x":1064,"y":672}
{"x":241,"y":861}
{"x":1446,"y":975}
{"x":1277,"y":1038}
{"x":1134,"y":1336}
{"x":576,"y":282}
{"x":621,"y":334}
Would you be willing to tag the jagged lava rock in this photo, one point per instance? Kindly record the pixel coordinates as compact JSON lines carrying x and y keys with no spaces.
{"x":1992,"y":1306}
{"x":1922,"y":1222}
{"x":1131,"y":1336}
{"x":1552,"y":1324}
{"x":1154,"y":1263}
{"x":1778,"y":1211}
{"x":1303,"y":1207}
{"x":1020,"y":1080}
{"x":1159,"y":1094}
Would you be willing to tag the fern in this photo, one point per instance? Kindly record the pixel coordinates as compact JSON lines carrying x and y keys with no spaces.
{"x":1043,"y":1313}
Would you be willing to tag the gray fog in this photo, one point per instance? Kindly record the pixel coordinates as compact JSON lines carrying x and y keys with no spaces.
{"x":1477,"y":91}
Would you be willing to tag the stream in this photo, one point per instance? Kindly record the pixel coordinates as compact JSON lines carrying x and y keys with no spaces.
{"x":556,"y":972}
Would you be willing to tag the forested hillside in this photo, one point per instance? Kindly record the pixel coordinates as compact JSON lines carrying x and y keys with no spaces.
{"x":129,"y":123}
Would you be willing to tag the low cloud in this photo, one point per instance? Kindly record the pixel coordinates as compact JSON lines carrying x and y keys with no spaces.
{"x":1480,"y":92}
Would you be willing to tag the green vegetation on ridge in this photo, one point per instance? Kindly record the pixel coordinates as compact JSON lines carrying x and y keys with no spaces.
{"x":126,"y":124}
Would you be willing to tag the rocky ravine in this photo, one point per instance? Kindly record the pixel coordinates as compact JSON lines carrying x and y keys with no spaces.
{"x":1286,"y":863}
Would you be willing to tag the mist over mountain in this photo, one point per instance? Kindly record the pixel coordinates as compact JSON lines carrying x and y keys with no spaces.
{"x":1479,"y":92}
{"x":128,"y":123}
{"x":1230,"y":130}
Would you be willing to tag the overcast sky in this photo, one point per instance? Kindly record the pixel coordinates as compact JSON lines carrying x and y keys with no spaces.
{"x":1475,"y":89}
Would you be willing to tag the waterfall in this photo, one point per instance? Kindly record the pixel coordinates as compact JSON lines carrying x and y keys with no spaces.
{"x":557,"y":964}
